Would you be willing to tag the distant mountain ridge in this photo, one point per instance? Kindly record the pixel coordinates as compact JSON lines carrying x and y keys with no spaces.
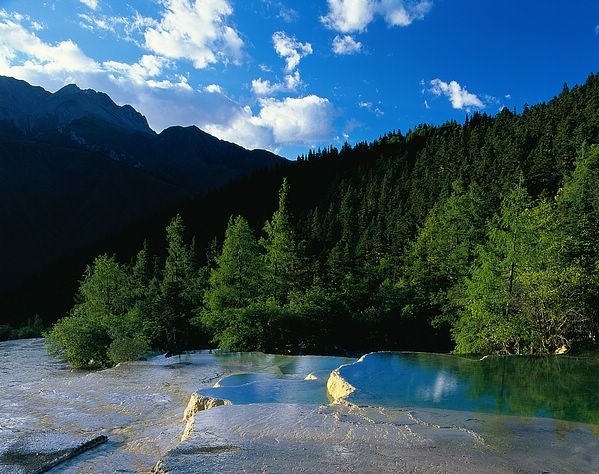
{"x":185,"y":157}
{"x":75,"y":168}
{"x":33,"y":110}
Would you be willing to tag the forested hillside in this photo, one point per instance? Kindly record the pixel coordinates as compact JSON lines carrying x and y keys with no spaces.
{"x":479,"y":237}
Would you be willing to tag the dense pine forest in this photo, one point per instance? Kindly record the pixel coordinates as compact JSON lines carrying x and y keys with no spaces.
{"x":481,"y":237}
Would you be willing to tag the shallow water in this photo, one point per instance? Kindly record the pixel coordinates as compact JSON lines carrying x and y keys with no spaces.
{"x":562,"y":388}
{"x":301,"y":380}
{"x":46,"y":407}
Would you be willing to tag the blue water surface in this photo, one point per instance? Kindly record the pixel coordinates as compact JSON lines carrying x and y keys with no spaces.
{"x":565,"y":388}
{"x":284,"y":379}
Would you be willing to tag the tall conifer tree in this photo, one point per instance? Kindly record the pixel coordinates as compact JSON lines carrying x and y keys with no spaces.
{"x":282,"y":263}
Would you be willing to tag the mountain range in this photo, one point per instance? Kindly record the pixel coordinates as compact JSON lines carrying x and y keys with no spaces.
{"x":76,"y":168}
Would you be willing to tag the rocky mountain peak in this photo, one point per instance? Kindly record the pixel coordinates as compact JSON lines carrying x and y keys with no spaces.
{"x":34,"y":110}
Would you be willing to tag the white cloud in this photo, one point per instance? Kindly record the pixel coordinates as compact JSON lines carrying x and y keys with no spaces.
{"x":288,"y":15}
{"x":23,"y":54}
{"x":346,"y":45}
{"x":194,"y":30}
{"x":292,"y":81}
{"x":128,"y":89}
{"x":93,"y":4}
{"x":244,"y":128}
{"x":401,"y":13}
{"x":291,"y":50}
{"x":459,"y":97}
{"x":289,"y":121}
{"x":36,"y":26}
{"x":182,"y":106}
{"x":371,"y":107}
{"x":348,"y":16}
{"x":147,"y":67}
{"x":213,"y":89}
{"x":90,"y":23}
{"x":104,"y":23}
{"x":297,"y":120}
{"x":264,"y":87}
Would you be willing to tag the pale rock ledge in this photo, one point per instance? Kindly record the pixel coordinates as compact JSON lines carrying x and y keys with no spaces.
{"x":337,"y":387}
{"x":198,"y":402}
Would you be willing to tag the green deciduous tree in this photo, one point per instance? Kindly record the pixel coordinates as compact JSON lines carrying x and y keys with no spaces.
{"x":578,"y":208}
{"x":578,"y":202}
{"x":552,"y":286}
{"x":238,"y":278}
{"x":438,"y":261}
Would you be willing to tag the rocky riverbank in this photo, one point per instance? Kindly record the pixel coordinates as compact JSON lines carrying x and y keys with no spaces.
{"x":291,"y":438}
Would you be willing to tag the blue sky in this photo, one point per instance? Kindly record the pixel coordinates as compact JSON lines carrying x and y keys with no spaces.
{"x":290,"y":75}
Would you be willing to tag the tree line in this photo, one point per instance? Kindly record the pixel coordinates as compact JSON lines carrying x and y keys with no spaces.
{"x":477,"y":238}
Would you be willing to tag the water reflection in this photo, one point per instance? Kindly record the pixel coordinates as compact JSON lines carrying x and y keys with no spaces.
{"x":445,"y":384}
{"x":289,"y":379}
{"x":563,"y":388}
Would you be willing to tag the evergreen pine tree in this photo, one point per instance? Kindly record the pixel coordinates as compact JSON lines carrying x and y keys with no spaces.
{"x":234,"y":301}
{"x":282,"y":263}
{"x":492,"y":320}
{"x":179,"y":293}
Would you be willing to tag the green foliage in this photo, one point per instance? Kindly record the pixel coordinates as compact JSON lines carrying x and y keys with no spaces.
{"x":235,"y":283}
{"x":123,"y":311}
{"x":128,"y":341}
{"x":258,"y":326}
{"x":491,"y":320}
{"x":281,"y":259}
{"x":93,"y":333}
{"x":238,"y":278}
{"x":30,"y":329}
{"x":578,"y":204}
{"x":526,"y":295}
{"x":438,"y":260}
{"x":578,"y":208}
{"x":179,"y":291}
{"x":79,"y":341}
